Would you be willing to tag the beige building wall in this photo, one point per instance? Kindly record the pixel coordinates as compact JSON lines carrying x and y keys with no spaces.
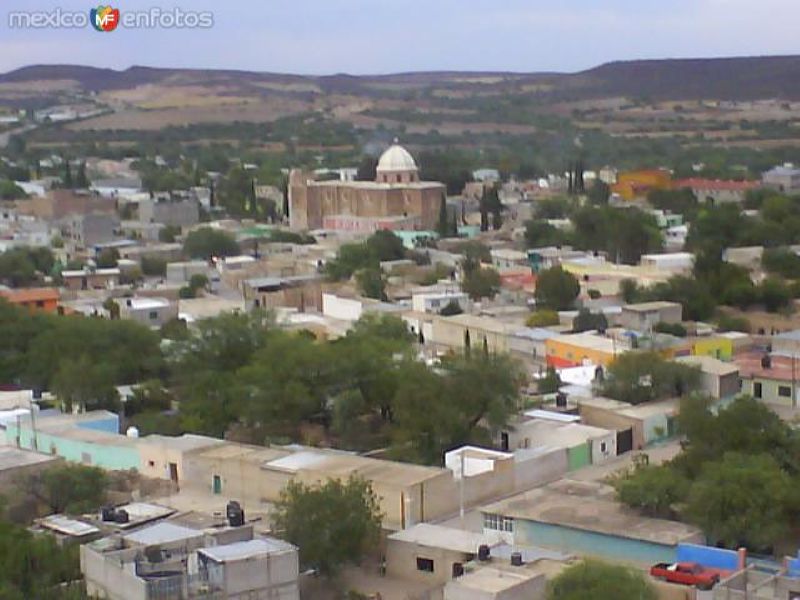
{"x":452,"y":333}
{"x":401,"y":562}
{"x":608,"y":419}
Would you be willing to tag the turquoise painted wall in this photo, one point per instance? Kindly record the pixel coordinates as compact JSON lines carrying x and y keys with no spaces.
{"x":651,"y":424}
{"x":579,"y":456}
{"x":600,"y":545}
{"x":106,"y":456}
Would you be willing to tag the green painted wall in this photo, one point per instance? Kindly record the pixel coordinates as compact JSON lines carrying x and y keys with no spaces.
{"x":579,"y":456}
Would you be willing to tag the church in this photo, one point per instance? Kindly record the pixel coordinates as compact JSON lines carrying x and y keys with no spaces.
{"x":396,"y":200}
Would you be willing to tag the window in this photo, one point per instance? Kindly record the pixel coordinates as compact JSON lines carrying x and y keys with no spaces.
{"x":498,"y":523}
{"x":603,"y":447}
{"x":785,"y":391}
{"x":424,"y":564}
{"x":757,"y":390}
{"x":153,"y":315}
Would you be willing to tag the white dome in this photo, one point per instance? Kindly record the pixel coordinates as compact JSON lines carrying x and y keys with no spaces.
{"x":396,"y":158}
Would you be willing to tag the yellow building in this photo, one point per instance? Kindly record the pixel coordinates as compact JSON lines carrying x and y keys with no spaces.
{"x":580,"y":348}
{"x":636,"y":184}
{"x":716,"y":347}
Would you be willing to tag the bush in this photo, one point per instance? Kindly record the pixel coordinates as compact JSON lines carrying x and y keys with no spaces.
{"x":675,"y":329}
{"x":154,"y":266}
{"x":542,"y":318}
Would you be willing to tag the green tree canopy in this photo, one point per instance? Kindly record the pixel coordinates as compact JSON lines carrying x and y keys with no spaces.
{"x":637,"y":377}
{"x":556,"y":289}
{"x":333,"y":524}
{"x":206,"y":243}
{"x":594,"y":580}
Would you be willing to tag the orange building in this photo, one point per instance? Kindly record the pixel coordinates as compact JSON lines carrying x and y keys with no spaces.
{"x":34,"y":299}
{"x":636,"y":184}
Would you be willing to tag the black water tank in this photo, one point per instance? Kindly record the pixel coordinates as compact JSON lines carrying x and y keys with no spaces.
{"x":483,"y":553}
{"x":561,"y":400}
{"x":235,"y":514}
{"x":516,"y":559}
{"x":121,"y":516}
{"x":107,"y":513}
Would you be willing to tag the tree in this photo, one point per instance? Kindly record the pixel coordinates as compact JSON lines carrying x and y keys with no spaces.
{"x":81,"y":180}
{"x":107,"y":258}
{"x":70,"y":488}
{"x":637,"y":377}
{"x":586,"y":320}
{"x":372,"y":283}
{"x":723,"y":504}
{"x":468,"y":399}
{"x":168,"y":233}
{"x":774,"y":294}
{"x":451,"y":308}
{"x":154,"y":266}
{"x":35,"y":566}
{"x":333,"y":524}
{"x":23,"y":266}
{"x":550,"y":383}
{"x":540,"y":233}
{"x":629,"y":291}
{"x":443,"y":225}
{"x":67,"y":179}
{"x":86,"y":385}
{"x":556,"y":289}
{"x":542,"y":318}
{"x":207,"y":243}
{"x":595,"y":580}
{"x":481,"y":283}
{"x":654,"y":490}
{"x":599,"y":193}
{"x":10,"y":190}
{"x":623,"y":233}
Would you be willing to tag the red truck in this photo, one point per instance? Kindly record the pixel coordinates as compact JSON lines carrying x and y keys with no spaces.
{"x":686,"y":573}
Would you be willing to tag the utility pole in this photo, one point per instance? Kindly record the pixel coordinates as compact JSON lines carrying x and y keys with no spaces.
{"x":461,"y":491}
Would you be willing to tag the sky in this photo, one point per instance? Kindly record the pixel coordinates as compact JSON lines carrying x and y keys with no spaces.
{"x":390,"y":36}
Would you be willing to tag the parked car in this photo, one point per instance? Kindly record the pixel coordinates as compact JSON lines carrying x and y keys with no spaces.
{"x":686,"y":573}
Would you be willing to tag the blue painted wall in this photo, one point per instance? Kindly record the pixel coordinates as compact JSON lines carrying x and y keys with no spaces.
{"x":714,"y":558}
{"x":108,"y":423}
{"x":581,"y":542}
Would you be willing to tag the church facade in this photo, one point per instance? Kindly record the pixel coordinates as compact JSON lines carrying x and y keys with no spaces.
{"x":397,"y":199}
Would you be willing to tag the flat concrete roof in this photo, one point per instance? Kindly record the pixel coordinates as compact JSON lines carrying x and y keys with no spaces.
{"x":590,"y":506}
{"x":185,"y":442}
{"x":161,"y":533}
{"x":447,"y":538}
{"x":650,"y":306}
{"x":710,"y":365}
{"x":494,"y":580}
{"x":246,"y":549}
{"x":13,"y":458}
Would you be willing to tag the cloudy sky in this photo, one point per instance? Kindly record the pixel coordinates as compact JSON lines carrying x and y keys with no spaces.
{"x":383,"y":36}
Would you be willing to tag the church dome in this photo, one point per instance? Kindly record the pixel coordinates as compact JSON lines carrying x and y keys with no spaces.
{"x":395,"y":159}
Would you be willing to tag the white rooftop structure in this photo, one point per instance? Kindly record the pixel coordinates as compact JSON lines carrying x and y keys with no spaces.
{"x":162,"y":533}
{"x":246,"y":550}
{"x":447,"y":538}
{"x":396,"y":158}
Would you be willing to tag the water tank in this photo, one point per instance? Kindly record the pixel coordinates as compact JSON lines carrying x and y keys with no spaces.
{"x":132,"y":432}
{"x":561,"y":400}
{"x":107,"y":513}
{"x":235,"y":514}
{"x":516,"y":559}
{"x":121,"y":516}
{"x":766,"y":362}
{"x":483,"y":553}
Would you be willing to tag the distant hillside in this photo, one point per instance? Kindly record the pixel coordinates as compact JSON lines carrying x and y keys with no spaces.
{"x":722,"y":78}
